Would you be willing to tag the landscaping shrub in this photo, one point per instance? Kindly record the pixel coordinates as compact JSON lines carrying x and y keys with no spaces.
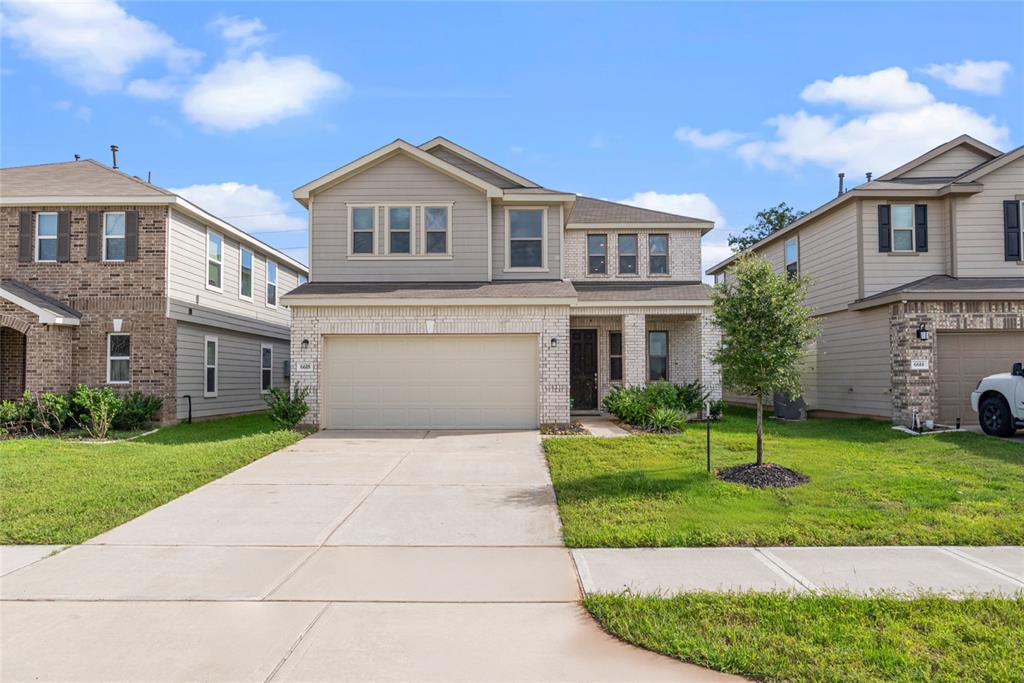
{"x":636,"y":405}
{"x":9,"y":417}
{"x":287,"y":410}
{"x":662,"y":394}
{"x":717,"y":409}
{"x":627,"y":403}
{"x":692,"y":397}
{"x":666,"y":420}
{"x":139,"y":410}
{"x":98,"y":409}
{"x":53,"y":411}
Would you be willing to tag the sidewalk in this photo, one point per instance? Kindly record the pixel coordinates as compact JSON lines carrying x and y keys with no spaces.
{"x":906,"y":570}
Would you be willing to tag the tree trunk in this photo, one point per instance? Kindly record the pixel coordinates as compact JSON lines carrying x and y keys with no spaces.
{"x":760,"y":431}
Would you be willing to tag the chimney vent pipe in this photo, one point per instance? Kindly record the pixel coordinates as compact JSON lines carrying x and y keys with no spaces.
{"x":842,"y":176}
{"x":113,"y":152}
{"x":868,"y":176}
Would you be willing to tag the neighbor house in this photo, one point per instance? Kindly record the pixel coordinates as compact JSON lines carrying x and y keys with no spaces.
{"x":918,"y":284}
{"x":448,"y":291}
{"x":107,"y":280}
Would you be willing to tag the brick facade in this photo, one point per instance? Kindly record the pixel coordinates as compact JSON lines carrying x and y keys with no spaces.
{"x":683,"y":254}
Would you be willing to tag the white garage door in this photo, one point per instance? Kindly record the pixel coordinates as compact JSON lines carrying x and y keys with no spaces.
{"x":430,"y":381}
{"x":966,"y":357}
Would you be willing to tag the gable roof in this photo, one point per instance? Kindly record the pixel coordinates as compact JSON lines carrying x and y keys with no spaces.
{"x":937,"y":287}
{"x":590,"y":211}
{"x":50,"y":310}
{"x":990,"y":165}
{"x":966,"y":140}
{"x":489,"y":167}
{"x":74,"y":179}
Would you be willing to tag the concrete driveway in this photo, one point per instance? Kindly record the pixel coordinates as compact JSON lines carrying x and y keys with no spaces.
{"x":418,"y":556}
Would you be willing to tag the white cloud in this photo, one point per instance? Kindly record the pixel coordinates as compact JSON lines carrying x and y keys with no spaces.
{"x":886,"y":90}
{"x":245,"y":93}
{"x":985,"y":78}
{"x":250,"y":207}
{"x":94,"y":44}
{"x":717,"y":140}
{"x":80,"y":111}
{"x":149,"y":89}
{"x":241,"y":34}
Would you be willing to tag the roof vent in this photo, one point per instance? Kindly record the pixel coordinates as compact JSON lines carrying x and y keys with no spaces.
{"x":113,"y":152}
{"x":78,"y":157}
{"x":842,"y":177}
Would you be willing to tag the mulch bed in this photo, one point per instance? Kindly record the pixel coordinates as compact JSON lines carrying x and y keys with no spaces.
{"x":574,"y":428}
{"x":768,"y":475}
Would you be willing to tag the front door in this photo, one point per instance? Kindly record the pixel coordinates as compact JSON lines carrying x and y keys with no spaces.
{"x":583,"y":369}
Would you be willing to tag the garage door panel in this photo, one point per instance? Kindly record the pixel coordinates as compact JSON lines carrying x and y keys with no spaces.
{"x":966,"y":357}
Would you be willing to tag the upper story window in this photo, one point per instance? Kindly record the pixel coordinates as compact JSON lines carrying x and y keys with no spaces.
{"x":214,"y":259}
{"x":245,"y":274}
{"x":903,"y":227}
{"x":435,"y":227}
{"x":364,"y":226}
{"x":113,"y":236}
{"x":46,"y":236}
{"x":792,"y":257}
{"x":597,"y":254}
{"x":627,"y":254}
{"x":271,"y":284}
{"x":399,"y":229}
{"x":526,"y":240}
{"x":657,"y":246}
{"x":302,"y":279}
{"x":119,"y":358}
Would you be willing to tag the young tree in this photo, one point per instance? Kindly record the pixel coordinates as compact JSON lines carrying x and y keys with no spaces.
{"x":765,"y":328}
{"x":765,"y":223}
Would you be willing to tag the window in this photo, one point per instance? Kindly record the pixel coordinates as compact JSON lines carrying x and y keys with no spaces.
{"x":399,"y":229}
{"x":364,"y":225}
{"x":271,"y":284}
{"x":302,"y":279}
{"x":792,"y":257}
{"x":657,"y":355}
{"x":210,"y":378}
{"x":657,"y":247}
{"x":245,"y":274}
{"x":525,"y":238}
{"x":903,"y":227}
{"x":615,"y":356}
{"x":214,"y":256}
{"x":113,"y":236}
{"x":435,"y":224}
{"x":627,"y":254}
{"x":597,"y":253}
{"x":266,"y":367}
{"x":119,"y":352}
{"x":46,"y":236}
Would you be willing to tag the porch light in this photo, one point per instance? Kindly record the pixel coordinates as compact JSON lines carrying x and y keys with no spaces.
{"x":554,"y":342}
{"x":305,"y":344}
{"x":922,"y":332}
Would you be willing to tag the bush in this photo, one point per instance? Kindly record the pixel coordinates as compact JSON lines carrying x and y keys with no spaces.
{"x":287,"y":410}
{"x":692,"y":397}
{"x":718,"y":409}
{"x":98,"y":408}
{"x":666,"y":420}
{"x":139,"y":409}
{"x":662,"y":394}
{"x":10,"y":422}
{"x":627,"y":404}
{"x":636,"y":405}
{"x":53,"y":410}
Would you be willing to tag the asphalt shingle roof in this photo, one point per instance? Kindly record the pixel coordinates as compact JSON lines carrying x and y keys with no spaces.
{"x":73,"y":179}
{"x":590,"y":210}
{"x":34,"y":296}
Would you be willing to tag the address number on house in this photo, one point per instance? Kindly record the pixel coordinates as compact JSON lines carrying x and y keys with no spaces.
{"x":919,"y":364}
{"x":305,"y":366}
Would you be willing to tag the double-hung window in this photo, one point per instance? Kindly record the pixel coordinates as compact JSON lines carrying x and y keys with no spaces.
{"x":364,"y":226}
{"x":46,"y":236}
{"x":792,"y":257}
{"x":903,"y":227}
{"x":210,"y":376}
{"x":266,"y":367}
{"x":245,"y":274}
{"x":113,"y":236}
{"x":119,"y":354}
{"x":525,"y":238}
{"x":657,"y":248}
{"x":597,"y":254}
{"x":627,"y":254}
{"x":271,"y":284}
{"x":615,"y":356}
{"x":657,"y":355}
{"x":214,"y":259}
{"x":399,"y":229}
{"x":435,"y":228}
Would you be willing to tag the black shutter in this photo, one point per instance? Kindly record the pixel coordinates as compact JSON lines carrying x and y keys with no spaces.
{"x":1011,"y":230}
{"x":94,"y":241}
{"x":131,"y":236}
{"x":25,"y":236}
{"x":884,"y":227}
{"x":921,"y":226}
{"x":64,"y":236}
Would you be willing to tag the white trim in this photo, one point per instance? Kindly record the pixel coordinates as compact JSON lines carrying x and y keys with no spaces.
{"x":490,"y":240}
{"x":561,"y":240}
{"x":511,"y":197}
{"x":206,"y":271}
{"x":400,"y":257}
{"x":441,"y":141}
{"x":627,"y":226}
{"x":113,"y":358}
{"x":411,"y":230}
{"x":351,"y":211}
{"x":543,"y":268}
{"x":216,"y":365}
{"x":967,"y":140}
{"x":449,"y":210}
{"x":912,"y":229}
{"x":104,"y":237}
{"x":252,"y":272}
{"x":309,"y":241}
{"x":342,"y":300}
{"x":46,"y":316}
{"x":266,"y":289}
{"x":263,"y":347}
{"x":55,"y":238}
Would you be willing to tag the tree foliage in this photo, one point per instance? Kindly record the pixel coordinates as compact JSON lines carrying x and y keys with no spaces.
{"x":765,"y":223}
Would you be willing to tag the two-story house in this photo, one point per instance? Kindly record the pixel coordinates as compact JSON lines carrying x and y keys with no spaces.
{"x":107,"y":280}
{"x":447,"y":291}
{"x":918,"y":284}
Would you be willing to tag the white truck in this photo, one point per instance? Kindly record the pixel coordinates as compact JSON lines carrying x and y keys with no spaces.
{"x":999,"y":402}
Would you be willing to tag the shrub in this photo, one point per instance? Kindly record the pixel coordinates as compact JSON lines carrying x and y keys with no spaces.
{"x":627,"y":404}
{"x":634,"y":405}
{"x":98,"y":408}
{"x":717,"y":409}
{"x":662,"y":394}
{"x":139,"y":409}
{"x":287,"y":410}
{"x":666,"y":420}
{"x":692,"y":397}
{"x":9,"y":417}
{"x":53,"y":411}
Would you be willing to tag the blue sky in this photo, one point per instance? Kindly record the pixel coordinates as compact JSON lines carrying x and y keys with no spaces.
{"x":714,"y":110}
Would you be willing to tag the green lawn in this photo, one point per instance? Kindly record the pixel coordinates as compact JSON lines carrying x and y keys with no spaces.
{"x":775,"y":637}
{"x":56,"y":491}
{"x":870,"y":485}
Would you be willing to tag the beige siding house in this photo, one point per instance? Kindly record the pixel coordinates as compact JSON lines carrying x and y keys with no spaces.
{"x":447,"y":291}
{"x":918,"y":284}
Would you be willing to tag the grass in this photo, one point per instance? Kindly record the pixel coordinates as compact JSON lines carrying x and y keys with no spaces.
{"x":776,"y":637}
{"x":869,"y":485}
{"x":61,"y":492}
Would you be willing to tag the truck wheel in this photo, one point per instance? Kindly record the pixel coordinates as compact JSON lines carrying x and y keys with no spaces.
{"x":994,"y":416}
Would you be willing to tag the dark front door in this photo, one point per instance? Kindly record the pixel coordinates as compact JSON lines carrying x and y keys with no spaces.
{"x":583,"y":369}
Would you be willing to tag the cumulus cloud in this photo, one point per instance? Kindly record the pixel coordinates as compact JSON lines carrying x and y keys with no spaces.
{"x":93,"y":44}
{"x":985,"y":78}
{"x":888,"y":89}
{"x":241,"y":34}
{"x":716,"y":140}
{"x":250,"y":207}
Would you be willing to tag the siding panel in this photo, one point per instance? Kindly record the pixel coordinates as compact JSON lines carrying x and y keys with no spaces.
{"x":979,"y":224}
{"x":884,"y":271}
{"x":554,"y":244}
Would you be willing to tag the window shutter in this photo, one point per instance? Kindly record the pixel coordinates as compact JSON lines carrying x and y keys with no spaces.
{"x":884,"y":228}
{"x":25,"y":236}
{"x":64,"y":236}
{"x":131,"y":236}
{"x":921,"y":226}
{"x":94,"y":242}
{"x":1011,"y":230}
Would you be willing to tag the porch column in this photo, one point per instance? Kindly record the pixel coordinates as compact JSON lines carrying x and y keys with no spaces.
{"x":710,"y":340}
{"x":634,"y":349}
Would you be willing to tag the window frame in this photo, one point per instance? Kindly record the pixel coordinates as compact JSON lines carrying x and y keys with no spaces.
{"x":271,"y":283}
{"x":613,"y":356}
{"x":55,"y":238}
{"x":209,"y":260}
{"x":651,"y":256}
{"x":448,"y":209}
{"x":206,"y":366}
{"x":242,"y":251}
{"x":270,"y":383}
{"x":301,"y":279}
{"x":650,"y":355}
{"x":786,"y":262}
{"x":123,"y":237}
{"x":604,"y":255}
{"x":543,"y":268}
{"x":128,"y":358}
{"x":374,"y":211}
{"x":635,"y":255}
{"x":912,"y":229}
{"x":411,"y":230}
